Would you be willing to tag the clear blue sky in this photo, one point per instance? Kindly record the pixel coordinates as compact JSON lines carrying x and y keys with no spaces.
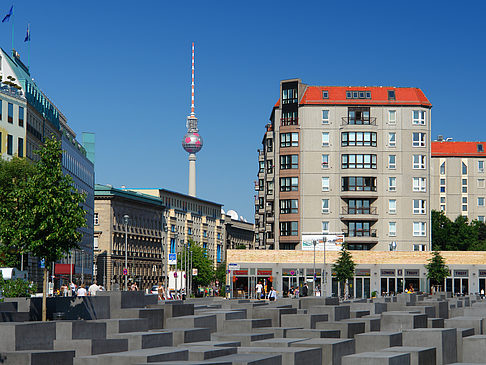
{"x":121,"y":69}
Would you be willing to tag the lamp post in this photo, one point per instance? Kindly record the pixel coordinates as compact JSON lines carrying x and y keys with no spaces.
{"x":126,"y":217}
{"x":82,"y":266}
{"x":314,"y":242}
{"x":163,"y":252}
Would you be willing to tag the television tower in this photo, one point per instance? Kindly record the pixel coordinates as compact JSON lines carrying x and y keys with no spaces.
{"x":192,"y":141}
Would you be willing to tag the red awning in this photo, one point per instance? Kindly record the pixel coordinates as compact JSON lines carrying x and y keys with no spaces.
{"x":63,"y":269}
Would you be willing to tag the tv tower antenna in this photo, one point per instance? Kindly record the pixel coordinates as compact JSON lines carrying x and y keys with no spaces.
{"x":192,"y":141}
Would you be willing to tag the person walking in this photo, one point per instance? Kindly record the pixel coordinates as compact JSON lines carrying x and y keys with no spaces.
{"x":93,"y":288}
{"x":272,"y":294}
{"x":259,"y":288}
{"x":305,"y":290}
{"x":82,"y":292}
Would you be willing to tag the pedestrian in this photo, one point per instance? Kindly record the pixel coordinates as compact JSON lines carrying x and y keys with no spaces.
{"x":82,"y":292}
{"x":134,"y":287}
{"x":305,"y":290}
{"x":296,"y":292}
{"x":161,"y":291}
{"x":72,"y":286}
{"x":259,"y":288}
{"x":272,"y":294}
{"x":291,"y":292}
{"x":93,"y":288}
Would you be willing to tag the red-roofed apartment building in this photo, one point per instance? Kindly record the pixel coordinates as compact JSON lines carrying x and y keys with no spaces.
{"x":458,"y":178}
{"x":345,"y":159}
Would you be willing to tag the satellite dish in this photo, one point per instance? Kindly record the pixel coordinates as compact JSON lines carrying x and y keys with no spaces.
{"x":232,"y":214}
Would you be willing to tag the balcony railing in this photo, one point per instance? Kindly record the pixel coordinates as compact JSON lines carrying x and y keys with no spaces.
{"x":289,"y":121}
{"x":368,"y":210}
{"x":362,"y":121}
{"x":360,"y":233}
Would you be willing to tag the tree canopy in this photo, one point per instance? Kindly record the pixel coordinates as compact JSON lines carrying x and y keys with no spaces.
{"x":200,"y":261}
{"x":344,"y":266}
{"x":437,"y":270}
{"x":457,"y":235}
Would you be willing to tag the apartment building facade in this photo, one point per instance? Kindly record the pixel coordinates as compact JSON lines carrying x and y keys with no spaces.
{"x":459,"y":179}
{"x":351,"y":160}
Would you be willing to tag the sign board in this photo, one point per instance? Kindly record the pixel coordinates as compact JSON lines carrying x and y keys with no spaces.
{"x":329,"y":241}
{"x":194,"y":272}
{"x":233,"y":266}
{"x":42,"y":263}
{"x":172,"y":259}
{"x":125,"y":272}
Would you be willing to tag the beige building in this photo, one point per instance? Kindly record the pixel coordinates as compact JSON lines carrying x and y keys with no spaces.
{"x":352,"y":160}
{"x":459,"y":179}
{"x":144,"y":233}
{"x":237,"y":232}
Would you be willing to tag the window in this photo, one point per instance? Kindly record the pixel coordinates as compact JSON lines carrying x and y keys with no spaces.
{"x":358,"y":161}
{"x":464,"y":207}
{"x":481,"y":183}
{"x":392,"y":162}
{"x":289,"y":162}
{"x":419,"y":229}
{"x":359,"y":206}
{"x":358,"y":94}
{"x":392,"y":139}
{"x":20,"y":147}
{"x":464,"y":185}
{"x":10,"y":113}
{"x":442,"y":208}
{"x":359,"y":115}
{"x":289,"y":96}
{"x":480,"y":148}
{"x":96,"y":220}
{"x":289,"y":206}
{"x":289,"y":228}
{"x":392,"y":183}
{"x":289,"y":118}
{"x":392,"y":206}
{"x":358,"y":139}
{"x":442,"y":199}
{"x":21,"y":116}
{"x":360,"y":229}
{"x":481,"y":218}
{"x":325,"y":161}
{"x":325,"y":138}
{"x":325,"y":117}
{"x":418,"y":162}
{"x":269,"y":145}
{"x":442,"y":168}
{"x":269,"y":187}
{"x":95,"y":243}
{"x":358,"y":183}
{"x":325,"y":94}
{"x":419,"y":206}
{"x":392,"y":116}
{"x":289,"y":183}
{"x":269,"y":166}
{"x":289,"y":140}
{"x":205,"y":234}
{"x":189,"y":231}
{"x":262,"y":166}
{"x":325,"y":227}
{"x":464,"y":169}
{"x":481,"y":201}
{"x":391,"y":94}
{"x":419,"y":248}
{"x":325,"y":184}
{"x":418,"y":139}
{"x":1,"y":103}
{"x":392,"y":229}
{"x":261,"y":185}
{"x":325,"y":205}
{"x":173,"y":228}
{"x":480,"y":166}
{"x":172,"y":245}
{"x":9,"y":144}
{"x":418,"y":117}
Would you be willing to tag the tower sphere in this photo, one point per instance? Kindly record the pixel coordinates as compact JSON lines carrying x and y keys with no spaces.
{"x":192,"y":142}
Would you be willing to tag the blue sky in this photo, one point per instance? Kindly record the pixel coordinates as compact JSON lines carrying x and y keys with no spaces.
{"x":121,"y":69}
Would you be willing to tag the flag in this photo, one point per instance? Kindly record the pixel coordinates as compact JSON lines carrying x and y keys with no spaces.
{"x":27,"y":35}
{"x":7,"y":17}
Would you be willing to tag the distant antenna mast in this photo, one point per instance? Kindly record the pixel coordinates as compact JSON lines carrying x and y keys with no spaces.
{"x":192,"y":83}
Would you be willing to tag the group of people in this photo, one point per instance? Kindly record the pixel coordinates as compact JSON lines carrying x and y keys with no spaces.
{"x":72,"y":289}
{"x":261,"y":293}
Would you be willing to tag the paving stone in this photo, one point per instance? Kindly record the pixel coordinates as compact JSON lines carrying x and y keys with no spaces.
{"x":418,"y":355}
{"x":375,"y":341}
{"x":333,"y":350}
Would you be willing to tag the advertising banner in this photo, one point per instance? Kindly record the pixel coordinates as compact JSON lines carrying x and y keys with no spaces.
{"x":331,"y":241}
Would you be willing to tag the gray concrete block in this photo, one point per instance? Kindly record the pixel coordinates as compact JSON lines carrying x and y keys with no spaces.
{"x":215,"y":343}
{"x":359,"y":313}
{"x":25,"y":336}
{"x":37,"y":357}
{"x":253,"y":359}
{"x":418,"y":355}
{"x":347,"y":329}
{"x":246,"y":325}
{"x":474,"y":349}
{"x":199,"y":353}
{"x":243,"y":338}
{"x":303,"y":320}
{"x":333,"y":350}
{"x":165,"y":354}
{"x":372,"y":323}
{"x":290,"y":355}
{"x":313,"y":333}
{"x":276,"y":342}
{"x":375,"y":341}
{"x":435,"y":322}
{"x":274,"y":314}
{"x":187,"y":335}
{"x":223,"y":315}
{"x":194,"y":321}
{"x":396,"y":321}
{"x":466,"y":322}
{"x":123,"y":325}
{"x":461,"y":333}
{"x":377,"y":358}
{"x":146,"y":340}
{"x":334,"y":312}
{"x":155,"y":317}
{"x":443,"y":339}
{"x":14,"y":316}
{"x":278,"y":332}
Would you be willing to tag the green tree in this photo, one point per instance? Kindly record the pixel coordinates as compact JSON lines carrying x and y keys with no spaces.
{"x":441,"y":231}
{"x":16,"y":288}
{"x":14,"y":209}
{"x":240,"y":247}
{"x":220,"y":274}
{"x":437,"y":270}
{"x":344,"y":269}
{"x":200,"y":261}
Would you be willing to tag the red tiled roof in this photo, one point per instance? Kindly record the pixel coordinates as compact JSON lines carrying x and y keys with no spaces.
{"x":457,"y":149}
{"x":379,"y":95}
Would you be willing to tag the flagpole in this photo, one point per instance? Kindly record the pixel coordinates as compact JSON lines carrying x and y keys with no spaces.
{"x":28,"y":47}
{"x":13,"y":30}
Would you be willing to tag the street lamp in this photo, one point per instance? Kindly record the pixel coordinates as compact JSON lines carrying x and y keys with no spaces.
{"x":163,"y":252}
{"x":126,"y":217}
{"x":314,"y":242}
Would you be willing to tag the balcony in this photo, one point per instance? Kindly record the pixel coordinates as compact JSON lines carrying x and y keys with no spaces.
{"x":369,"y":213}
{"x":289,"y":121}
{"x":370,"y":192}
{"x":362,"y":121}
{"x":360,"y":235}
